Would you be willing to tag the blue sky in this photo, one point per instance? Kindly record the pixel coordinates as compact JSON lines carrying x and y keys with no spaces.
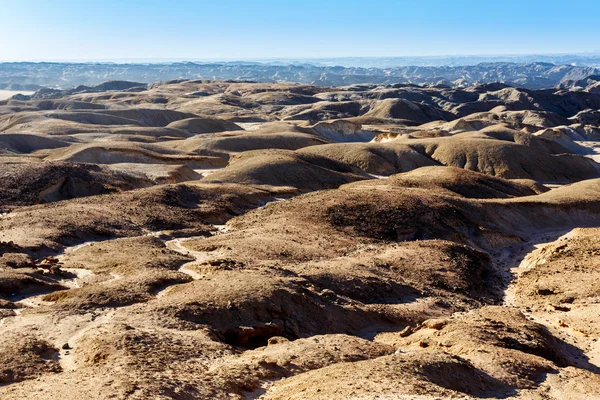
{"x":235,"y":29}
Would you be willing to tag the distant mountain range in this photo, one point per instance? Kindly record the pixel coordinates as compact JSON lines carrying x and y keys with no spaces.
{"x":536,"y":75}
{"x":589,"y":59}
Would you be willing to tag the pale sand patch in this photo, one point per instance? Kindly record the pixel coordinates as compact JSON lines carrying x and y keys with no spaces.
{"x":178,"y":246}
{"x":7,"y":94}
{"x":594,"y":146}
{"x":249,"y":126}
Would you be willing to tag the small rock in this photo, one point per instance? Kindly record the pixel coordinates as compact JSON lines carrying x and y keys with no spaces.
{"x":553,"y":307}
{"x":405,"y":332}
{"x":329,"y":294}
{"x":545,"y":292}
{"x":277,"y":340}
{"x":50,"y":260}
{"x":55,"y":270}
{"x":436,"y":324}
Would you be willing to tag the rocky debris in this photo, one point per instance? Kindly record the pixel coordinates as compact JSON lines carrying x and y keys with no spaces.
{"x":422,"y":374}
{"x":9,"y":247}
{"x":527,"y":347}
{"x":26,"y":357}
{"x":17,"y":260}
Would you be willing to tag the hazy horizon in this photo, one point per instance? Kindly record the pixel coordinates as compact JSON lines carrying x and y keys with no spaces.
{"x":589,"y":59}
{"x":591,"y":53}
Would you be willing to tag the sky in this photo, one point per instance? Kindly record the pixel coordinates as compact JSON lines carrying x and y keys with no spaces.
{"x":89,"y":30}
